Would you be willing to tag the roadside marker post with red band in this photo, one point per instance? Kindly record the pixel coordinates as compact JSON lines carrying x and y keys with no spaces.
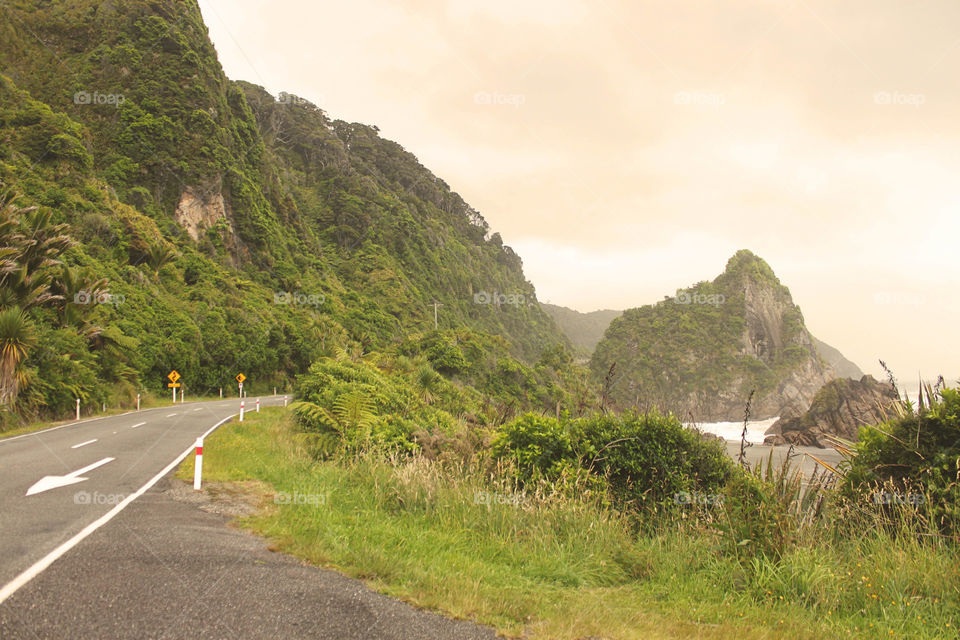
{"x":258,"y":405}
{"x":198,"y":465}
{"x":241,"y":409}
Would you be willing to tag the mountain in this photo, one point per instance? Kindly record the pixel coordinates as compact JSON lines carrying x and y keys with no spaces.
{"x":701,"y":352}
{"x":229,"y":230}
{"x":844,"y":367}
{"x":839,"y":409}
{"x":583,"y":329}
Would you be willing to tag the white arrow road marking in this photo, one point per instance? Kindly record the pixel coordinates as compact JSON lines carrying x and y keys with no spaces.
{"x":52,"y":482}
{"x":37,"y":567}
{"x":82,"y":444}
{"x":139,"y":424}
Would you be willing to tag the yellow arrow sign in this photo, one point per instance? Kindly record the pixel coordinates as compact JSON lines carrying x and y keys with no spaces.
{"x":241,"y":378}
{"x":173,"y":375}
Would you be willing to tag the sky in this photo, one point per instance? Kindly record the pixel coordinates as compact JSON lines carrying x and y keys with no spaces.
{"x":628,"y":149}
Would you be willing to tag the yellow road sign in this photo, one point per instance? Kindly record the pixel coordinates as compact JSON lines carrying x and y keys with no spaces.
{"x":173,"y":384}
{"x":173,"y":375}
{"x":241,"y":378}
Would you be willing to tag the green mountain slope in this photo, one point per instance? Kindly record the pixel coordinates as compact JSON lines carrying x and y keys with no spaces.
{"x":701,"y":352}
{"x":583,"y":329}
{"x":286,"y":234}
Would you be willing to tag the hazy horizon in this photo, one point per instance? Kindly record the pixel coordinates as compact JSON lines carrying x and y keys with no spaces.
{"x":626,"y":150}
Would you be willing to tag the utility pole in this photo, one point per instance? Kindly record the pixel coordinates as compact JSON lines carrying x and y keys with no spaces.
{"x":435,"y":306}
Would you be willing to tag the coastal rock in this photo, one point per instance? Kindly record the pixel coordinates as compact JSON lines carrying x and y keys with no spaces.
{"x":839,"y":409}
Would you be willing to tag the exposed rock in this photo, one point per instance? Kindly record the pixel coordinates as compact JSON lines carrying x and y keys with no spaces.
{"x":839,"y":409}
{"x":201,"y":208}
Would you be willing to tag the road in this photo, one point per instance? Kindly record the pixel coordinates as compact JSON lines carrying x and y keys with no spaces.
{"x":118,"y":456}
{"x":93,"y":545}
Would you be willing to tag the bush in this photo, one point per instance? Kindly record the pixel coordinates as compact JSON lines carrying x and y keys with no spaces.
{"x":645,"y":459}
{"x":918,"y":452}
{"x":649,"y":458}
{"x":539,"y":446}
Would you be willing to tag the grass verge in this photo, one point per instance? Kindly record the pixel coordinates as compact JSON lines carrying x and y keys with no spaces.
{"x":552,"y":566}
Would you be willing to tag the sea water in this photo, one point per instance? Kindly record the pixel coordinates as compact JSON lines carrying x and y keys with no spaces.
{"x":756,"y":429}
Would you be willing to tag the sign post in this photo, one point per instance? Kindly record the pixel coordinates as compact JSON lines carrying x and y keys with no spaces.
{"x":240,"y":379}
{"x":173,"y":376}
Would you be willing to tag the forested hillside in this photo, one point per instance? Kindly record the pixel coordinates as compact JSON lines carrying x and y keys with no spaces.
{"x":210,"y":227}
{"x":701,"y":352}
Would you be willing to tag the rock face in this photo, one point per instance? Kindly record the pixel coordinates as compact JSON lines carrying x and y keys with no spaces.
{"x":201,"y":208}
{"x":840,"y":408}
{"x":701,"y":352}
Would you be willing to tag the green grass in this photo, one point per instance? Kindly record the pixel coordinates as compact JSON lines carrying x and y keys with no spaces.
{"x":551,"y":566}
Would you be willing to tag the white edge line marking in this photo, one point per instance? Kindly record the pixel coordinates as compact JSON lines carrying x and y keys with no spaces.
{"x":83,"y":444}
{"x":40,"y":565}
{"x":139,"y":424}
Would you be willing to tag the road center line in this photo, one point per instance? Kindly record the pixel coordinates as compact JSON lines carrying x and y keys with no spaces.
{"x":37,"y":568}
{"x":77,"y":446}
{"x":139,"y":424}
{"x":170,"y":415}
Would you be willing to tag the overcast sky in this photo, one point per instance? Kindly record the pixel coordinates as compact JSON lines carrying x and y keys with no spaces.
{"x":627,"y":149}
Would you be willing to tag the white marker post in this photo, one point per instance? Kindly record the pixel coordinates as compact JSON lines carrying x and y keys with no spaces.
{"x":183,"y":392}
{"x":221,"y":393}
{"x":258,"y":405}
{"x":78,"y":408}
{"x":138,"y":402}
{"x":198,"y":465}
{"x":241,"y":409}
{"x":284,"y":400}
{"x":274,"y":391}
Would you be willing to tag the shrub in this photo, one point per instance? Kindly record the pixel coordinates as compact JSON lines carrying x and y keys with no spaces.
{"x":540,"y":446}
{"x":649,"y":458}
{"x":917,"y":452}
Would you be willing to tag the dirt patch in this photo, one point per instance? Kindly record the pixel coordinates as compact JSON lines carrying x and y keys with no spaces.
{"x":229,"y":499}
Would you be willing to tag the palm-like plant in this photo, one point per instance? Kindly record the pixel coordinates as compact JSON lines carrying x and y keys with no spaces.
{"x":427,"y":382}
{"x":159,"y":255}
{"x":16,"y":339}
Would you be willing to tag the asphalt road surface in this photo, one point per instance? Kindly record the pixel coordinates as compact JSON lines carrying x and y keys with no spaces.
{"x":91,"y":546}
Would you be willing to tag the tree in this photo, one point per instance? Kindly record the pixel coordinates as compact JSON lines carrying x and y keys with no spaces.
{"x":17,"y":337}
